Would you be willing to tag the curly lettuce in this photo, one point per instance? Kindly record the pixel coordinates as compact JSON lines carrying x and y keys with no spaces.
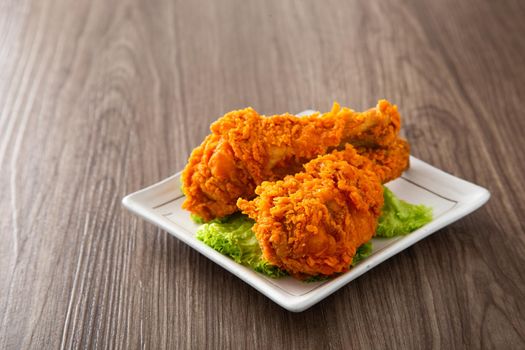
{"x":233,"y":237}
{"x":363,"y":252}
{"x":399,"y":217}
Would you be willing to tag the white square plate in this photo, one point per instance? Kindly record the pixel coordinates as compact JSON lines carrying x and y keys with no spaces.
{"x":450,"y":197}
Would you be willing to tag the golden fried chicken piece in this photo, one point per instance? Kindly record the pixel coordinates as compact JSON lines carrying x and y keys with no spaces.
{"x":312,"y":223}
{"x":245,"y":149}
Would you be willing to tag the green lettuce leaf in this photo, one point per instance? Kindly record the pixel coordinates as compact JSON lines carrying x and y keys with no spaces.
{"x":362,"y":253}
{"x":399,"y":217}
{"x":197,"y":219}
{"x":233,"y":237}
{"x":317,"y":278}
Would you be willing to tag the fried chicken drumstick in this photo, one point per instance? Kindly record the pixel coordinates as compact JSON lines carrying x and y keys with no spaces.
{"x":312,"y":223}
{"x":245,"y":149}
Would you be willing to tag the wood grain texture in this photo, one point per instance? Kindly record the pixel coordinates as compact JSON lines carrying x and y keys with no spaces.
{"x":99,"y":99}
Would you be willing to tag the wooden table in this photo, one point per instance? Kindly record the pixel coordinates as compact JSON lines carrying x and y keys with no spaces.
{"x":99,"y":99}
